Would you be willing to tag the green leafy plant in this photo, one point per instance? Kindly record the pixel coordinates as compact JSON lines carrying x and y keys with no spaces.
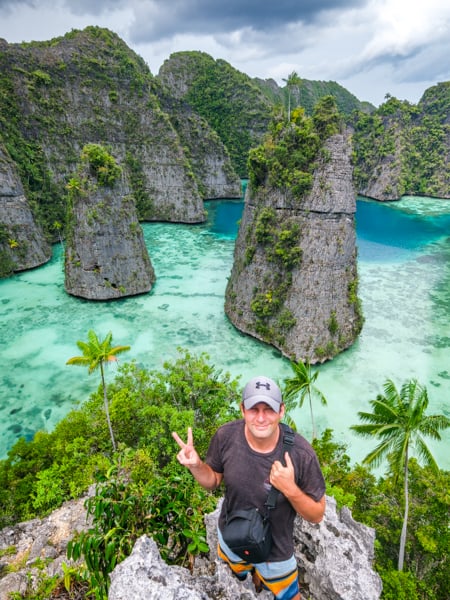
{"x":102,"y":165}
{"x":169,"y":508}
{"x":118,"y":513}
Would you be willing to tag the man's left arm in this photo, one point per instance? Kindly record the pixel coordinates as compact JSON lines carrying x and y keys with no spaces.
{"x":283,"y":478}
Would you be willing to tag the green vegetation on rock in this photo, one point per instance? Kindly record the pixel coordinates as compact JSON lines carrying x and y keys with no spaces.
{"x":229,"y":100}
{"x":286,"y":158}
{"x":410,"y":142}
{"x":286,"y":162}
{"x":306,"y":93}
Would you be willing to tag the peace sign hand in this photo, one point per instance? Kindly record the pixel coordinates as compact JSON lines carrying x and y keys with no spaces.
{"x":187,"y":456}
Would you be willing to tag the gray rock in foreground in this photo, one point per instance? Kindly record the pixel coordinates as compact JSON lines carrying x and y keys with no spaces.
{"x":145,"y":576}
{"x":334,"y":557}
{"x":25,"y":547}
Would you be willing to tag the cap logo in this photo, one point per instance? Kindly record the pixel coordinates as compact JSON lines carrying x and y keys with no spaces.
{"x":260,"y":385}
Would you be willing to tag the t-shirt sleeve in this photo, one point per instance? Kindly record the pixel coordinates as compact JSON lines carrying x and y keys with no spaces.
{"x":310,"y":479}
{"x":214,"y":455}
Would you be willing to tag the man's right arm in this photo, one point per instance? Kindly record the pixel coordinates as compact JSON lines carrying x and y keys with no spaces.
{"x":188,"y":456}
{"x":206,"y":476}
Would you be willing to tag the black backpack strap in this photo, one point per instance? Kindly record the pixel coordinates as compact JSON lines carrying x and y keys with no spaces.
{"x":288,"y":442}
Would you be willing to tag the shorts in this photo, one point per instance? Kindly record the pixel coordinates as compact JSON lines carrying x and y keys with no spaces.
{"x":281,"y":577}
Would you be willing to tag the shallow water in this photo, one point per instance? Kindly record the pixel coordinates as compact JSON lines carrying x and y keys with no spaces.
{"x":404,"y":270}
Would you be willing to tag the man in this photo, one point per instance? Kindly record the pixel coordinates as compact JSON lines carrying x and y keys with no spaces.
{"x":247,"y":456}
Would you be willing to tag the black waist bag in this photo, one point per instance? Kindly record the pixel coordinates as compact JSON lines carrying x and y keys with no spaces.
{"x":247,"y":534}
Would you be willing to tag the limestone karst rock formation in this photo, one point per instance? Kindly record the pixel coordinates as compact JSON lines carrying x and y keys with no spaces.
{"x":37,"y":542}
{"x":335,"y":563}
{"x":22,"y":242}
{"x":335,"y":560}
{"x":294,"y":278}
{"x":402,"y":149}
{"x":227,"y":99}
{"x":89,"y":87}
{"x":106,"y":256}
{"x":208,"y":156}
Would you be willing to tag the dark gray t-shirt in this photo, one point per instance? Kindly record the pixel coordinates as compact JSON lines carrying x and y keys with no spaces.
{"x":246,"y":478}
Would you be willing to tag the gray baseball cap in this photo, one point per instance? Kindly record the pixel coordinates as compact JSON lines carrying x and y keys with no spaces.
{"x":262,"y":389}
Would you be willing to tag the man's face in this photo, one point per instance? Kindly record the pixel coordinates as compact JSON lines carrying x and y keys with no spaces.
{"x":261,"y":420}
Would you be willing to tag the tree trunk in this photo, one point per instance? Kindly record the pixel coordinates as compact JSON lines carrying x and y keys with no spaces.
{"x":105,"y":401}
{"x":312,"y":417}
{"x":401,"y":554}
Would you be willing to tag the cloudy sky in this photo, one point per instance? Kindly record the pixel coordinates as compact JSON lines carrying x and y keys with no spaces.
{"x":371,"y":47}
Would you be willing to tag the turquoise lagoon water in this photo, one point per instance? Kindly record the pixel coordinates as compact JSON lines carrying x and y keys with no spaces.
{"x":404,"y":270}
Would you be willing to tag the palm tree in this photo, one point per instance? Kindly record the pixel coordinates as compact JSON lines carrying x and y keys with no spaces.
{"x":96,"y":354}
{"x":58,"y":226}
{"x":293,"y":80}
{"x":302,"y":385}
{"x":399,"y":421}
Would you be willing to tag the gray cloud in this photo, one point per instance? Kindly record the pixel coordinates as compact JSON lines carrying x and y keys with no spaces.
{"x":422,"y":63}
{"x":370,"y":46}
{"x":159,"y":19}
{"x":426,"y":64}
{"x":76,"y":7}
{"x":92,"y":7}
{"x":156,"y":20}
{"x":7,"y":6}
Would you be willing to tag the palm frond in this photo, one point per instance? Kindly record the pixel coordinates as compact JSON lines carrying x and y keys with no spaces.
{"x":398,"y":421}
{"x":387,"y":407}
{"x":426,"y":456}
{"x":318,"y":393}
{"x":84,"y":347}
{"x":290,"y":422}
{"x":433,"y":424}
{"x":81,"y":361}
{"x":93,"y":340}
{"x":118,"y":350}
{"x":378,"y":454}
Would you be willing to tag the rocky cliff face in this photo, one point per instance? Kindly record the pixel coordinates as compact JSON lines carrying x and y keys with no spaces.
{"x":89,"y":87}
{"x":214,"y":174}
{"x":227,"y":99}
{"x":334,"y":558}
{"x":404,"y":149}
{"x":22,"y":242}
{"x":296,"y":289}
{"x":384,"y":182}
{"x":106,"y":256}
